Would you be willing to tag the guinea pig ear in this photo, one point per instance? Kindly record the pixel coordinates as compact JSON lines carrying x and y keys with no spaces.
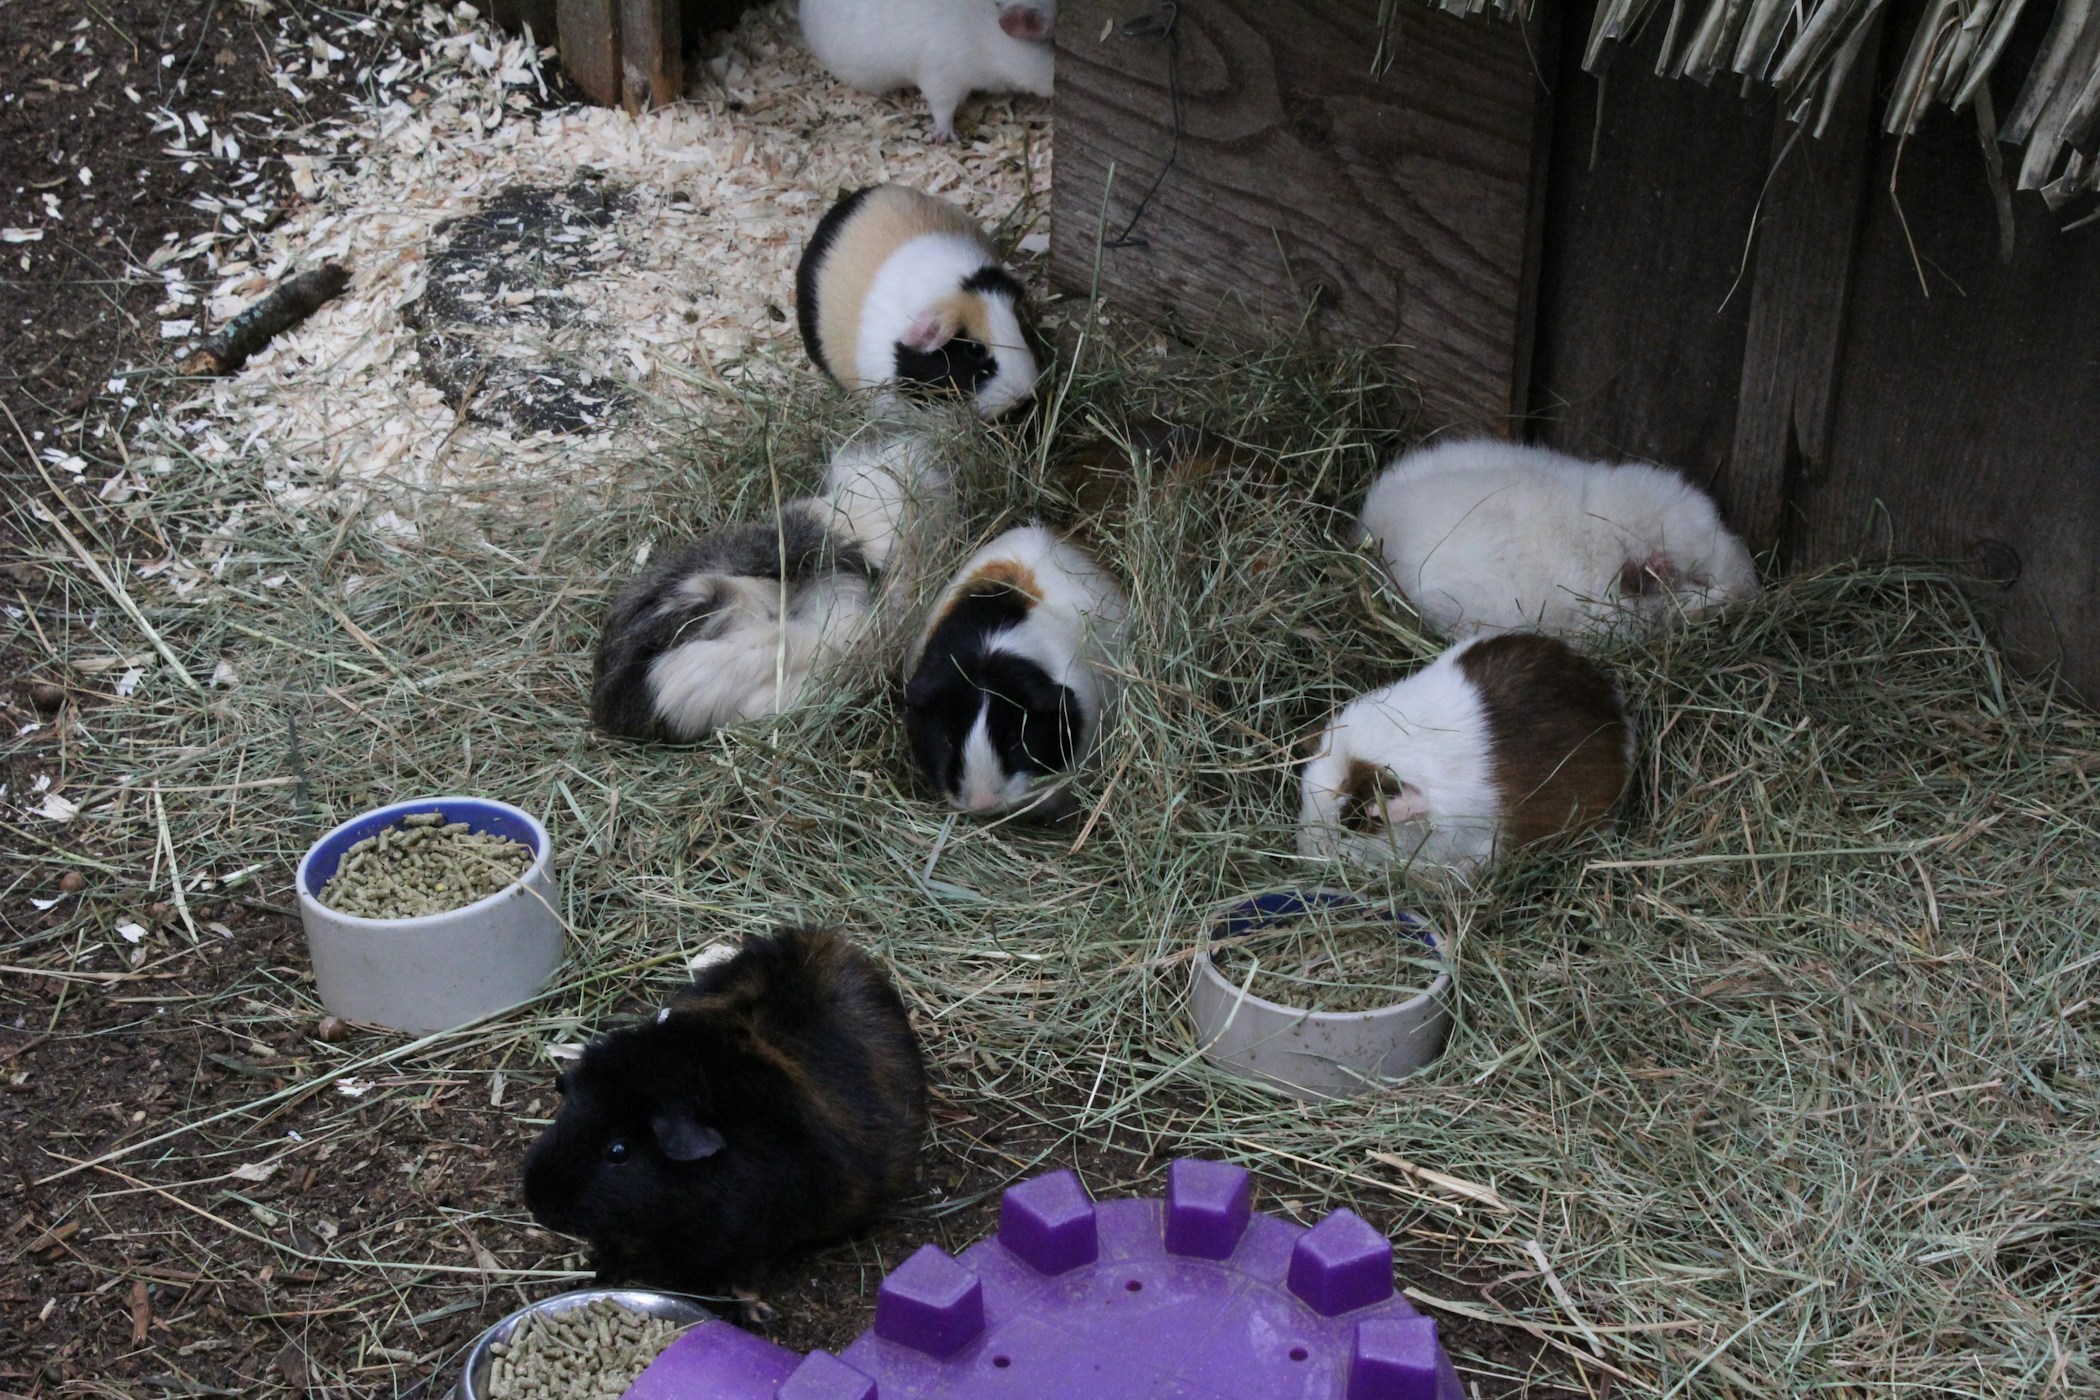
{"x":682,"y":1138}
{"x":930,"y":330}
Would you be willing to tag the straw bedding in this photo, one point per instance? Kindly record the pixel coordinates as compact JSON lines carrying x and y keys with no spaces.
{"x":1788,"y":1080}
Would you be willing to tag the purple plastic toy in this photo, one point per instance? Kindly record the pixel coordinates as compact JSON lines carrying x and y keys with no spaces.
{"x":1193,"y":1298}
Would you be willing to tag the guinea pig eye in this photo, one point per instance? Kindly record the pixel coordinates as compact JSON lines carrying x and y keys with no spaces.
{"x":616,"y":1151}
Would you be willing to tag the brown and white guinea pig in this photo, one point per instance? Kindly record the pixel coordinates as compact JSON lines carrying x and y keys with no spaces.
{"x":738,"y":623}
{"x":1101,"y":476}
{"x":1499,"y":742}
{"x":1487,"y":537}
{"x":1014,"y":674}
{"x":947,"y":49}
{"x":778,"y":1102}
{"x":897,"y":287}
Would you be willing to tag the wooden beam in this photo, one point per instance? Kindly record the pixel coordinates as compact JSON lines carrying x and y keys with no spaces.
{"x":652,"y":54}
{"x":1307,"y":192}
{"x":590,"y":47}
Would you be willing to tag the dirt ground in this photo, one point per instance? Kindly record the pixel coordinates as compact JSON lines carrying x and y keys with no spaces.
{"x":113,"y":1288}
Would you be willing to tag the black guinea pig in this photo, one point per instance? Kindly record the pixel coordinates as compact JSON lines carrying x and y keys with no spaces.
{"x":777,"y":1103}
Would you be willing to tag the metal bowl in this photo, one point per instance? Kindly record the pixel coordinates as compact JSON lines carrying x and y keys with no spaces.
{"x":474,"y":1376}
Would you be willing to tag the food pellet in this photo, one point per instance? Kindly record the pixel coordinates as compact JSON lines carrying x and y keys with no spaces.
{"x":595,"y":1350}
{"x":423,"y":865}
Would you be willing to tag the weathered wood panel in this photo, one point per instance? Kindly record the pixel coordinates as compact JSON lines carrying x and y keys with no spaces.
{"x":1643,"y":291}
{"x":1397,"y":208}
{"x":1968,"y":420}
{"x":652,"y":54}
{"x":1807,"y":232}
{"x":589,"y":41}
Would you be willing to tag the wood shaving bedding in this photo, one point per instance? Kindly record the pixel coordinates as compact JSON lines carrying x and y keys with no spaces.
{"x":693,"y":280}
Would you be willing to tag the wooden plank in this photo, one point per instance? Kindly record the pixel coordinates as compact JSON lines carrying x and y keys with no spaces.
{"x":1396,"y":208}
{"x":652,"y":54}
{"x":1807,"y":230}
{"x":1641,"y":316}
{"x":589,"y":41}
{"x":1966,"y":419}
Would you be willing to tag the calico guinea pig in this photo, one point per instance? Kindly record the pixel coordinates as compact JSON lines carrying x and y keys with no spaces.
{"x":737,"y":624}
{"x":777,"y":1103}
{"x":1499,"y":742}
{"x":1487,"y":537}
{"x":1014,"y":673}
{"x":899,"y":287}
{"x":947,"y":49}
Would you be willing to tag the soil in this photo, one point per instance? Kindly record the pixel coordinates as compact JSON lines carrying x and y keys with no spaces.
{"x":111,"y":1287}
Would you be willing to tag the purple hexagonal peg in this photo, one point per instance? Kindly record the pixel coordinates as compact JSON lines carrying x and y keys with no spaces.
{"x":930,"y":1303}
{"x":824,"y":1377}
{"x":1208,"y":1206}
{"x":1397,"y":1358}
{"x":1048,"y":1223}
{"x":1341,"y":1264}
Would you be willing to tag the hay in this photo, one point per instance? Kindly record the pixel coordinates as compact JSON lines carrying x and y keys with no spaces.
{"x":1789,"y":1081}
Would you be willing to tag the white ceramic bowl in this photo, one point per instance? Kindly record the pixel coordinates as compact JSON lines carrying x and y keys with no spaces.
{"x":441,"y":970}
{"x":1314,"y":1054}
{"x":474,"y":1375}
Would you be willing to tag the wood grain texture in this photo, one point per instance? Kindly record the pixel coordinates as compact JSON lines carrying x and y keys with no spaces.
{"x":1397,"y":208}
{"x":589,"y":41}
{"x":1643,"y":299}
{"x":1968,"y":421}
{"x":652,"y":53}
{"x":1807,"y":231}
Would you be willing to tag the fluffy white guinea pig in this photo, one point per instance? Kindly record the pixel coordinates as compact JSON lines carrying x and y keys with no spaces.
{"x":1499,"y":742}
{"x":947,"y":49}
{"x":1487,"y":537}
{"x":897,"y":287}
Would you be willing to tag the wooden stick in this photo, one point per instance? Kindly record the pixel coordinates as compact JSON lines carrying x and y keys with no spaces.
{"x":285,"y":306}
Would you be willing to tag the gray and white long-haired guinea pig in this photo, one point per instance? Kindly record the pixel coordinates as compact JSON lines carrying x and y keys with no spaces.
{"x":739,"y":623}
{"x":947,"y":49}
{"x":1499,"y":742}
{"x":1014,"y":674}
{"x":1487,"y":537}
{"x":897,"y":287}
{"x":777,"y":1103}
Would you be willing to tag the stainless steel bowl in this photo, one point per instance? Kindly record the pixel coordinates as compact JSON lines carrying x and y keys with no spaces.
{"x":474,"y":1376}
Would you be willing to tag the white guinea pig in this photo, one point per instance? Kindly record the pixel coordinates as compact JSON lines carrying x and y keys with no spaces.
{"x":1499,"y":742}
{"x":1487,"y":537}
{"x":897,"y":286}
{"x":947,"y":49}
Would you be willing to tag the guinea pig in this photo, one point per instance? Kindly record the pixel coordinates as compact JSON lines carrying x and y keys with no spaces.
{"x":1499,"y":742}
{"x":899,"y":287}
{"x":1013,"y":674}
{"x":947,"y":49}
{"x":736,"y":624}
{"x":777,"y":1103}
{"x":1487,"y":537}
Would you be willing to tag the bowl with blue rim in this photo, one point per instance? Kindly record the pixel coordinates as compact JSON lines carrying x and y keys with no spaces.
{"x":1304,"y":1051}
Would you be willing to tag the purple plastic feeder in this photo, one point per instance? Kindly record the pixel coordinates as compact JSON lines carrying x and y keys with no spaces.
{"x":1197,"y":1297}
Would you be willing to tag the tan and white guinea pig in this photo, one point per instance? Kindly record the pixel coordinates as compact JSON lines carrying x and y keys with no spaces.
{"x":1499,"y":742}
{"x":947,"y":49}
{"x":899,"y":287}
{"x":1486,"y":537}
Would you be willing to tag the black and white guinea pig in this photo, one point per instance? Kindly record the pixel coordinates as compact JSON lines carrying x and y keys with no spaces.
{"x":737,"y":623}
{"x":947,"y":49}
{"x":778,"y":1102}
{"x":1499,"y":742}
{"x":1014,"y":673}
{"x":897,"y":287}
{"x":1487,"y":537}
